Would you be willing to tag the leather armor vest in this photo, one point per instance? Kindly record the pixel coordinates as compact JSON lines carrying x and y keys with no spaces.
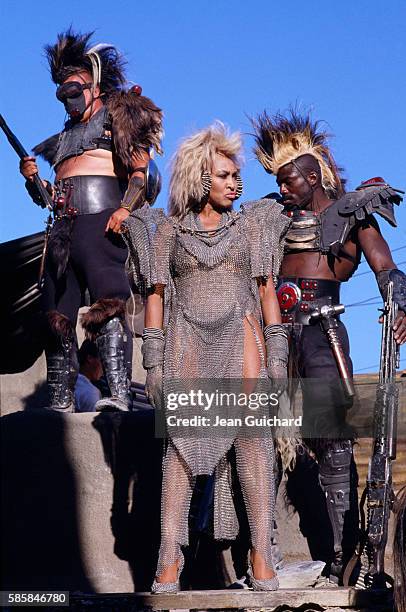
{"x":80,"y":137}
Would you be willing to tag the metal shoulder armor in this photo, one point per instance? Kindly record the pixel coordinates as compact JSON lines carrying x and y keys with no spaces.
{"x":371,"y":197}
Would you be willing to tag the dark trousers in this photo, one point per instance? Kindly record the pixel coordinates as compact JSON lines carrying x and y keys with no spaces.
{"x":324,"y":402}
{"x":96,"y":262}
{"x":324,"y":413}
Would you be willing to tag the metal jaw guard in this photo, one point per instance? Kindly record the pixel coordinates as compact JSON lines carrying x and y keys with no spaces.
{"x":62,"y":372}
{"x":111,"y":345}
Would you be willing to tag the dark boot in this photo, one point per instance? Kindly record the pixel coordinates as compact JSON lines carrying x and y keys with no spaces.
{"x":111,"y":344}
{"x":105,"y":324}
{"x":62,"y":363}
{"x":335,"y":480}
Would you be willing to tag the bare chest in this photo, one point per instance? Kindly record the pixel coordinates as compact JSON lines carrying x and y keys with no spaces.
{"x":97,"y":162}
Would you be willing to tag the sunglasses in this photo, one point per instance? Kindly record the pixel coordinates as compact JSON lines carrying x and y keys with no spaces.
{"x":73,"y":89}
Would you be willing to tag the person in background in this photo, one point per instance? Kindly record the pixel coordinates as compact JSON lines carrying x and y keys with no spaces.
{"x":90,"y":371}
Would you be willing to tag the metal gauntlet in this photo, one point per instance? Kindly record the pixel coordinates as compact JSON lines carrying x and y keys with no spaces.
{"x":153,"y":347}
{"x":153,"y":354}
{"x":399,"y":285}
{"x":277,"y":350}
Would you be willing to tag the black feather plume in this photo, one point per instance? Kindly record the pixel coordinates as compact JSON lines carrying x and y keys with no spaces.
{"x":68,"y":55}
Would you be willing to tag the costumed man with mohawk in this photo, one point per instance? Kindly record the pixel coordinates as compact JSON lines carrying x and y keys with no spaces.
{"x":329,"y":231}
{"x":103,"y":167}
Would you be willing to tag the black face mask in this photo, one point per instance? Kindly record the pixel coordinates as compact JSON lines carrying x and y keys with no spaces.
{"x":72,"y":96}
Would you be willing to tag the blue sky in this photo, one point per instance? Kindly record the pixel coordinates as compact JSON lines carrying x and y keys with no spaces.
{"x":201,"y":61}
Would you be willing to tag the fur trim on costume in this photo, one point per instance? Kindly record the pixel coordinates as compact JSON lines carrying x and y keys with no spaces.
{"x":59,"y":325}
{"x":47,"y":148}
{"x":282,"y":139}
{"x":72,"y":52}
{"x":59,"y":245}
{"x":136,"y":125}
{"x":99,"y":313}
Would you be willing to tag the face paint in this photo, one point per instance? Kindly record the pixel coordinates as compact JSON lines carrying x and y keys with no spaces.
{"x":72,"y":96}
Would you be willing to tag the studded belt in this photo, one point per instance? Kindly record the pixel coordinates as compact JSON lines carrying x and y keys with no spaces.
{"x":298,"y":297}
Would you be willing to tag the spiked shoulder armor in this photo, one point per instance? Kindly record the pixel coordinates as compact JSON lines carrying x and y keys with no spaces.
{"x":371,"y":197}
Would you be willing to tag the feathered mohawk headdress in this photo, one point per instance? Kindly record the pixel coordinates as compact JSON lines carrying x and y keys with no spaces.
{"x":282,"y":139}
{"x":72,"y":52}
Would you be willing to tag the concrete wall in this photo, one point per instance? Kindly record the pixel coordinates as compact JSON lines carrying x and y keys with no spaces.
{"x":65,"y":477}
{"x":81,"y":502}
{"x":81,"y":495}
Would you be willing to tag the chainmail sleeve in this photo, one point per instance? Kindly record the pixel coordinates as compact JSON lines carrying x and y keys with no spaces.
{"x":149,"y":235}
{"x":266,"y":227}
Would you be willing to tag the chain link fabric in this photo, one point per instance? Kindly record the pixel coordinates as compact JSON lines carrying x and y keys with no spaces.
{"x":211,"y":293}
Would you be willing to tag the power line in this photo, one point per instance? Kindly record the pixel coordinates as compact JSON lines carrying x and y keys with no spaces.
{"x":370,"y":271}
{"x":375,"y":365}
{"x":364,"y":305}
{"x":366,"y":302}
{"x":392,"y":251}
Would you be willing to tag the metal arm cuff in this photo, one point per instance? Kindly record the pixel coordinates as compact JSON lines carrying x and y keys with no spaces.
{"x":134,"y":197}
{"x":277,"y":347}
{"x":153,"y":347}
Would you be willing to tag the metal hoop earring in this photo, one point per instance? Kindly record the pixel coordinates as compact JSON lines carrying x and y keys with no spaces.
{"x":240,"y":186}
{"x":206,"y":183}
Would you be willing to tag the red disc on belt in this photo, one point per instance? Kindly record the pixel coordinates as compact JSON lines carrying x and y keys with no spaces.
{"x":288,"y":296}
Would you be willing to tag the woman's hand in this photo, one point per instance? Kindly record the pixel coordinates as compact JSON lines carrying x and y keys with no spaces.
{"x":153,"y":386}
{"x":278,"y":373}
{"x":399,"y":327}
{"x":116,"y":219}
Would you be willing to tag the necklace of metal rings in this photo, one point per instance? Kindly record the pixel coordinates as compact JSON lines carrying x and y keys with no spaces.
{"x":232,"y":218}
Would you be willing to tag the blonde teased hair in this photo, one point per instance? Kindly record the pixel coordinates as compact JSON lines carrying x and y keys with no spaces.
{"x":194,"y":156}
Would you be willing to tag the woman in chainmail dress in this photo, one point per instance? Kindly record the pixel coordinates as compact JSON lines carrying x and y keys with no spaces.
{"x":209,"y":273}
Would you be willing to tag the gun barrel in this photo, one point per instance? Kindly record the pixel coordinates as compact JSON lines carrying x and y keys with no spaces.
{"x":379,"y":482}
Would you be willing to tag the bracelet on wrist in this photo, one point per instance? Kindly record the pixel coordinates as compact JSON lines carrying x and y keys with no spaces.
{"x":126,"y":207}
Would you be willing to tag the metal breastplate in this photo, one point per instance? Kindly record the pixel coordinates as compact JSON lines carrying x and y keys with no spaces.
{"x":304,"y":231}
{"x":81,"y":137}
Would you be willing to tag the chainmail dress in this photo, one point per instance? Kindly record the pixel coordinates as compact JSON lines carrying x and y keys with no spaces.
{"x":212,"y":314}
